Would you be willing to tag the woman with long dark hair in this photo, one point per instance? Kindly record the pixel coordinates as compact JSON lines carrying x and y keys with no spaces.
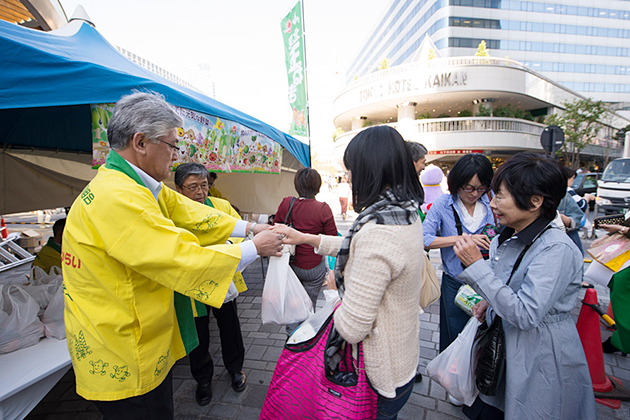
{"x":379,"y":269}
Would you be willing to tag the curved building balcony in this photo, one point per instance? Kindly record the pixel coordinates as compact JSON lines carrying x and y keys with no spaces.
{"x":449,"y":137}
{"x":446,"y":86}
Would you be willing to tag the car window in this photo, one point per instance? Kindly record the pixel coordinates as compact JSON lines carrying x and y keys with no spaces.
{"x":590,"y":181}
{"x":577,"y":181}
{"x":617,"y":171}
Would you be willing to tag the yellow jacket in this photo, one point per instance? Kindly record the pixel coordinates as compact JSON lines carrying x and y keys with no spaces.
{"x":48,"y":257}
{"x":199,"y":309}
{"x":213,"y":192}
{"x":123,"y":255}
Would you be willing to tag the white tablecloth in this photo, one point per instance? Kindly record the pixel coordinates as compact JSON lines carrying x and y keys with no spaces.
{"x":28,"y":374}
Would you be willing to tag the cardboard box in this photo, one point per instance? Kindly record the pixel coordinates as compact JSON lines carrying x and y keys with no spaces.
{"x":30,"y":239}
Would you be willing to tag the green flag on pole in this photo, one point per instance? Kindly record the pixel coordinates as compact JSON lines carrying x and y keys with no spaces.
{"x":293,"y":35}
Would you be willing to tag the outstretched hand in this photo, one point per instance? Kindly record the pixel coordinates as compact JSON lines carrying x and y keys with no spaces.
{"x":268,"y":244}
{"x":467,"y":250}
{"x":290,"y":236}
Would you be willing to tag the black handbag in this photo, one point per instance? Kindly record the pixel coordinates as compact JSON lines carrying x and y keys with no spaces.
{"x":488,"y":354}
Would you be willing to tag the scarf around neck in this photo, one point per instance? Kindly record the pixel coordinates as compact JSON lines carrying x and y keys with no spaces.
{"x":388,"y":210}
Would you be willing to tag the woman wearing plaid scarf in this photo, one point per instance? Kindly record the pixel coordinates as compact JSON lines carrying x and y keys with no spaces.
{"x":378,"y":271}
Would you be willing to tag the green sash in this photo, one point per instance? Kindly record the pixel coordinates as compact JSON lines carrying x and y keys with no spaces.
{"x":183,"y":308}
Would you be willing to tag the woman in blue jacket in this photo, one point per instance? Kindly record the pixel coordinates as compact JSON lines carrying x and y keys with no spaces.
{"x":465,"y":210}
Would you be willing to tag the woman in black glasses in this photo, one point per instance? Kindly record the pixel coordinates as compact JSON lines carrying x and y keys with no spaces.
{"x":465,"y":210}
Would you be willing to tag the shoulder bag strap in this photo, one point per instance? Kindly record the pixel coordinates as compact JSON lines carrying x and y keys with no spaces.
{"x":520,"y":257}
{"x":289,"y":216}
{"x":458,"y":222}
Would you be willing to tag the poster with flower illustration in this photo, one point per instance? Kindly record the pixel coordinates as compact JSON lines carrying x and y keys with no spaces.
{"x":219,"y":145}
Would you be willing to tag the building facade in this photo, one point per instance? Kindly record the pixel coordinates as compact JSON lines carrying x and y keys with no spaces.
{"x":434,"y":87}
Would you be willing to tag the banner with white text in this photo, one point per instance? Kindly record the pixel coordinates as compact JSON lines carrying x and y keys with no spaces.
{"x":293,"y":35}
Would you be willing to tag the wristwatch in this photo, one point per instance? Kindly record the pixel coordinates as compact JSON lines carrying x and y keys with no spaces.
{"x":250,"y":232}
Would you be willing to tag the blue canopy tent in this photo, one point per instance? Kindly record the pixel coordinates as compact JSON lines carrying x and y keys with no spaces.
{"x":48,"y":81}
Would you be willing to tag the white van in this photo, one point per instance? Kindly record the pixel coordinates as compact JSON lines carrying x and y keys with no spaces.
{"x":613,"y":190}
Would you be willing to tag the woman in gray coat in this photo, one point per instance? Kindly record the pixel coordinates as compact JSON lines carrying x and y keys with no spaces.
{"x":546,"y":375}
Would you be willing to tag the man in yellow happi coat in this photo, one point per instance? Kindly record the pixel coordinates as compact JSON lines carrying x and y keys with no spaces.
{"x":129,"y":243}
{"x":50,"y":255}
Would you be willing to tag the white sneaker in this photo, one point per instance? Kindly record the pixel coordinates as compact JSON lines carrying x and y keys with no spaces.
{"x":455,"y":401}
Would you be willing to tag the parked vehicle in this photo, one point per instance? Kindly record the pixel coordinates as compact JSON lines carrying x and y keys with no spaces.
{"x":586,"y":183}
{"x":613,"y":192}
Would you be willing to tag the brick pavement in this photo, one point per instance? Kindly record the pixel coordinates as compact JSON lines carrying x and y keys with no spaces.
{"x":263,"y":344}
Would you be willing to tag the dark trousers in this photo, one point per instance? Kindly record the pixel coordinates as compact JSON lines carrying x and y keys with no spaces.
{"x":232,"y":348}
{"x":452,"y":319}
{"x":388,"y":408}
{"x":155,"y":405}
{"x":482,"y":411}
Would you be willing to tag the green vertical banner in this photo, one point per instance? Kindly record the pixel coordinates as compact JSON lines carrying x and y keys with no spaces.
{"x":293,"y":35}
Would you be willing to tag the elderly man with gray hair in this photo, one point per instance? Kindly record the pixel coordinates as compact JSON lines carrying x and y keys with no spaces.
{"x":130,"y":243}
{"x":419,"y":155}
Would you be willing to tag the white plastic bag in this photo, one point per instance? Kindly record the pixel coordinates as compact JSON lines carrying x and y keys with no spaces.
{"x":309,"y":328}
{"x":452,"y":368}
{"x":19,"y":325}
{"x":284,"y":300}
{"x":43,"y":286}
{"x":54,"y":326}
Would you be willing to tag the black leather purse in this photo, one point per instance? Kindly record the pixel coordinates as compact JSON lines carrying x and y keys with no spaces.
{"x":488,"y":355}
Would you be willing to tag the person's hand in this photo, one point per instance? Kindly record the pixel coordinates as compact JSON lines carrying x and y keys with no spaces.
{"x":614,"y":229}
{"x":259,"y":227}
{"x":566,"y":220}
{"x":467,"y":250}
{"x":290,"y":236}
{"x":268,"y":244}
{"x":479,"y":310}
{"x":589,"y":197}
{"x":481,"y":240}
{"x":330,"y":281}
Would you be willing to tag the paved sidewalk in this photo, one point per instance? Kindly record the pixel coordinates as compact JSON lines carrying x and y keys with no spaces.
{"x":264,"y":343}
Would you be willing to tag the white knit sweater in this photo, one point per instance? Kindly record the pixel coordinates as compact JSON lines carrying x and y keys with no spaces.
{"x":381,"y":302}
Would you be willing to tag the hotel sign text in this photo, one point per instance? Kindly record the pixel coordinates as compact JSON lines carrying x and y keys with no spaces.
{"x":437,"y":80}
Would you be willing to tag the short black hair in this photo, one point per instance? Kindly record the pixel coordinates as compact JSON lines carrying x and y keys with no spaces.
{"x":379,"y":158}
{"x":185,"y":170}
{"x":527,"y":174}
{"x":59,"y":226}
{"x":466,"y":168}
{"x":568,"y":171}
{"x":212,"y":175}
{"x":307,"y":182}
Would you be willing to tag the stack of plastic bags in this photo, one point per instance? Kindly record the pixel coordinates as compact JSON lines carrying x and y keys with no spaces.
{"x":28,"y":312}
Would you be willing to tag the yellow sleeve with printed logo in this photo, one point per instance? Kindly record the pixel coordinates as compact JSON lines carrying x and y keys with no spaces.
{"x":226,"y":207}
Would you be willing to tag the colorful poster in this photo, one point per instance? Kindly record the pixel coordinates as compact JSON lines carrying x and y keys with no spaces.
{"x":293,"y":35}
{"x":219,"y":145}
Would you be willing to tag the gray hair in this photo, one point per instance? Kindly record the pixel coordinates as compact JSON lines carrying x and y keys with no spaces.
{"x":185,"y":170}
{"x":141,"y":112}
{"x":418,"y":151}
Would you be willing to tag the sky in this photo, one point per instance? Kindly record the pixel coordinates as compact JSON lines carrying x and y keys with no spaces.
{"x":242,"y":43}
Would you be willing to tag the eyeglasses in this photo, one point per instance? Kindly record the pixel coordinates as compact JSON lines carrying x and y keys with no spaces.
{"x":195,"y":187}
{"x":175,"y":148}
{"x":470,"y":189}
